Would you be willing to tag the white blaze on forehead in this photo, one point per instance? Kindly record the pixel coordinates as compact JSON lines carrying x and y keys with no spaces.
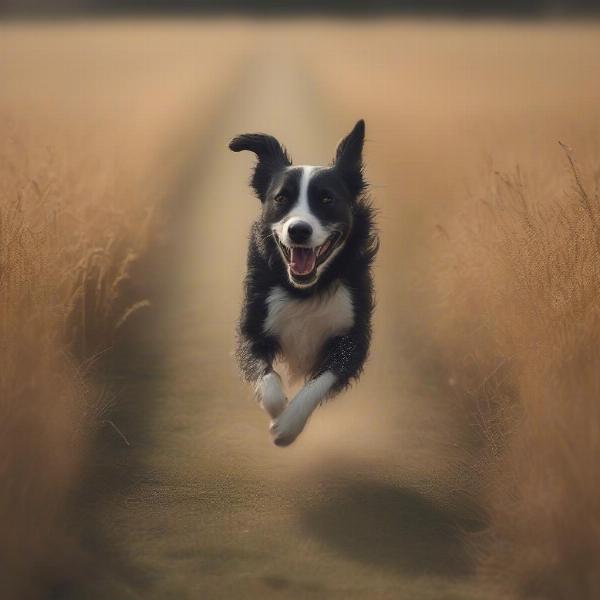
{"x":302,"y":205}
{"x":301,"y":212}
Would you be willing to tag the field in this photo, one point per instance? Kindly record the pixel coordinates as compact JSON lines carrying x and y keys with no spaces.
{"x":463,"y":465}
{"x":84,"y":125}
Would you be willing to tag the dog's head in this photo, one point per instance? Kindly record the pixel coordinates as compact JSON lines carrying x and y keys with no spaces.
{"x":308,"y":210}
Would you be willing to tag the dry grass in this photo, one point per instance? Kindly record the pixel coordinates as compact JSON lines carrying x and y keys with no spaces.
{"x":88,"y":118}
{"x":498,"y":289}
{"x":523,"y":293}
{"x":43,"y":401}
{"x":495,"y":291}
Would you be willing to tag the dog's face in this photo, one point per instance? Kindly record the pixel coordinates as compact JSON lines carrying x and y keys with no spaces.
{"x":307,"y":209}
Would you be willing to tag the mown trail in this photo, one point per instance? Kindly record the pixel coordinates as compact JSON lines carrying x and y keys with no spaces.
{"x":203,"y":505}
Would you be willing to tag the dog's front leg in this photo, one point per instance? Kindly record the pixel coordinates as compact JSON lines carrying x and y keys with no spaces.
{"x":291,"y":422}
{"x":270,"y":393}
{"x":343,"y":361}
{"x":255,"y":354}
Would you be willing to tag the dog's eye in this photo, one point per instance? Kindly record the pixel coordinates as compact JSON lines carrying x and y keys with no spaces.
{"x":281,"y":198}
{"x":327,"y":200}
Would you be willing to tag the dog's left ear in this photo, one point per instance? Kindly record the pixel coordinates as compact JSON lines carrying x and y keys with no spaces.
{"x":271,"y":155}
{"x":348,"y":158}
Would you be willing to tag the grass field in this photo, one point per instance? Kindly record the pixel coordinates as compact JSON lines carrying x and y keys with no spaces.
{"x":88,"y":116}
{"x":482,"y":392}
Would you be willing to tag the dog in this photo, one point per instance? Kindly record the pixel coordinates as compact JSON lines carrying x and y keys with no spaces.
{"x":309,"y":294}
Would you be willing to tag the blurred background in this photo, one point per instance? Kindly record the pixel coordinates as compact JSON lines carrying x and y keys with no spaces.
{"x":135,"y":463}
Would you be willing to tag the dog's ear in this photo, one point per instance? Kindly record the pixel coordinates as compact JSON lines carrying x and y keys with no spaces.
{"x":271,"y":155}
{"x":348,"y":158}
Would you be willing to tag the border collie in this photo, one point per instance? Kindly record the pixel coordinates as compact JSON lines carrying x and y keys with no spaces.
{"x":308,"y":288}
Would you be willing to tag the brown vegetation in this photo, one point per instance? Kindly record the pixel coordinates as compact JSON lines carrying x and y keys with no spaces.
{"x":523,"y":295}
{"x":495,"y":291}
{"x":43,"y":400}
{"x":86,"y":117}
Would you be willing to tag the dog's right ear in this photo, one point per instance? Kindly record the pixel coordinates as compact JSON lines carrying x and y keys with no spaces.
{"x":271,"y":155}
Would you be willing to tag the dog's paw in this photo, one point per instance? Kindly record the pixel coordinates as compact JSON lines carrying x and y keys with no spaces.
{"x":288,"y":426}
{"x":271,"y":394}
{"x":281,"y":435}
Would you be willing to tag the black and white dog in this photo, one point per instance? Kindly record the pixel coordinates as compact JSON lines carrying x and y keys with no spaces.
{"x":308,"y":288}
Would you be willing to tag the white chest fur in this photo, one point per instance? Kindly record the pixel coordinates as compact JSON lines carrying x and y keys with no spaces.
{"x":303,"y":326}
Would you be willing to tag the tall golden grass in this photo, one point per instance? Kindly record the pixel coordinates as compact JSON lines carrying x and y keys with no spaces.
{"x":496,"y":290}
{"x":92,"y":120}
{"x":43,"y":399}
{"x":498,"y":266}
{"x":63,"y":300}
{"x":519,"y":326}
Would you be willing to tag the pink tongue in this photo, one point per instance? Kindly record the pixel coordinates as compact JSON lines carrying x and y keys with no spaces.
{"x":303,"y":261}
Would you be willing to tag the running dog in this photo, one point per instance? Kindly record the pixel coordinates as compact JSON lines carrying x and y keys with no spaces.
{"x":308,"y":289}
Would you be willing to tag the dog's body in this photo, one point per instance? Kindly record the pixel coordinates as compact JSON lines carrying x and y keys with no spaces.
{"x":308,"y":288}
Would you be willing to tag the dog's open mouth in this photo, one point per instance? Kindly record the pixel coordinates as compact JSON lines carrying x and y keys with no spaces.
{"x":303,"y":262}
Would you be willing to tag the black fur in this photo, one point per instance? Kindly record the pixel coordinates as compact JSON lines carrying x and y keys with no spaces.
{"x":343,"y":355}
{"x":348,"y":158}
{"x":272,"y":157}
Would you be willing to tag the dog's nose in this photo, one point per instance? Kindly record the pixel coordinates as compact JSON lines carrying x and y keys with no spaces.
{"x":299,"y":232}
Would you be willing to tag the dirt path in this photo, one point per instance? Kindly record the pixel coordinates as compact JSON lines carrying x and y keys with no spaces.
{"x":204,"y":506}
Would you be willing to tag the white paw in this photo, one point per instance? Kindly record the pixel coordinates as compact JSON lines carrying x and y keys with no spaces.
{"x":289,"y":425}
{"x":271,"y":394}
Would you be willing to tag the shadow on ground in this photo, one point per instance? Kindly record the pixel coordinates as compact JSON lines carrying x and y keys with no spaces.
{"x":390,"y":527}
